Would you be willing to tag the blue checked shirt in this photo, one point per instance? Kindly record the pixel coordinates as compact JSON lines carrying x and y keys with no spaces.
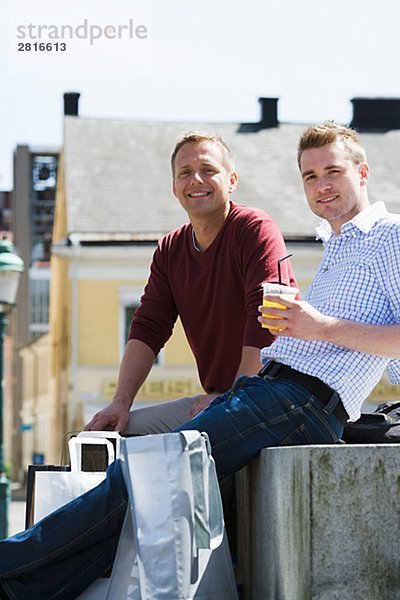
{"x":358,"y":280}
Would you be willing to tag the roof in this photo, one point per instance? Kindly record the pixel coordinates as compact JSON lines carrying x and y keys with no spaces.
{"x":118,"y":177}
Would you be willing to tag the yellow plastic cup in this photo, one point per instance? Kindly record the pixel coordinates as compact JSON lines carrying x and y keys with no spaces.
{"x":278,"y":289}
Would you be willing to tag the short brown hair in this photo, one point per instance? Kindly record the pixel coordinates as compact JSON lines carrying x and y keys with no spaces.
{"x":329,"y":133}
{"x":196,"y":137}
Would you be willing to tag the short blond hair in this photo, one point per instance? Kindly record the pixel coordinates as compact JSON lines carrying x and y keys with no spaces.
{"x":196,"y":137}
{"x":329,"y":133}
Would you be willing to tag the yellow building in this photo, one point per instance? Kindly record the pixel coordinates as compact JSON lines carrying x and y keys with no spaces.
{"x":40,"y":414}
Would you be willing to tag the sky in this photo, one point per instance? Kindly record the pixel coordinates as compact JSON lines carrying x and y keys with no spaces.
{"x":189,"y":61}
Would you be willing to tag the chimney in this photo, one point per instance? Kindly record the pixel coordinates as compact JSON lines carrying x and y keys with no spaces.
{"x":375,"y":114}
{"x":71,"y":100}
{"x":269,"y":113}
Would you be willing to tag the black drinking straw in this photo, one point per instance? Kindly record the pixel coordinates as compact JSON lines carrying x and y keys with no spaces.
{"x":279,"y":267}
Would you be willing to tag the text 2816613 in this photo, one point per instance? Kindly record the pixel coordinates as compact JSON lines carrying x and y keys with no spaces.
{"x":41,"y":47}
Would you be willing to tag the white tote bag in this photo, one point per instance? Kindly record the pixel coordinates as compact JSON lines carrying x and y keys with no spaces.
{"x":55,"y":488}
{"x":173,"y":543}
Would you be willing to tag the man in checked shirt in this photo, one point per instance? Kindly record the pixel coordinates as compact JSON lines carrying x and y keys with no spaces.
{"x":329,"y":355}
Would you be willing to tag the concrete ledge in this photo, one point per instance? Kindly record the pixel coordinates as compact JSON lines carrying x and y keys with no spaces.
{"x":320,"y":523}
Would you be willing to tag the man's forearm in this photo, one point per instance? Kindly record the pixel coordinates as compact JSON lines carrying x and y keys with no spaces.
{"x":383,"y":340}
{"x":135,"y":366}
{"x":301,"y":320}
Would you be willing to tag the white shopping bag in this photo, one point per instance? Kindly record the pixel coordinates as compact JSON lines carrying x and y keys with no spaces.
{"x":55,"y":488}
{"x":173,"y":543}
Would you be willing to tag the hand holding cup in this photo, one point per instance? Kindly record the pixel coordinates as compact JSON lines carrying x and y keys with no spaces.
{"x":279,"y":290}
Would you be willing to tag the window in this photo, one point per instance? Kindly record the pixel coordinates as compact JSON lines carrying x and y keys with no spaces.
{"x":129,"y":300}
{"x":44,"y":179}
{"x":39,"y":288}
{"x":129,"y":312}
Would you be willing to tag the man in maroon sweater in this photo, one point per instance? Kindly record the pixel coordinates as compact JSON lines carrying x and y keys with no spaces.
{"x":218,"y":260}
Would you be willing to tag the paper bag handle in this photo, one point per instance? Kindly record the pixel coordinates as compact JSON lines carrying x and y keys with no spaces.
{"x":207,"y":498}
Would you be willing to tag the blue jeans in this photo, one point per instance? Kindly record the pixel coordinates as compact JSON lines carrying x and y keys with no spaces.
{"x":62,"y":554}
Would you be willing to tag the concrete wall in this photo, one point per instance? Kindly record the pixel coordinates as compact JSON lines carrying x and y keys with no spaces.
{"x":320,"y":523}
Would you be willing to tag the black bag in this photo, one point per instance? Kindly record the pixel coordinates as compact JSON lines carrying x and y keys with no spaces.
{"x":380,"y":427}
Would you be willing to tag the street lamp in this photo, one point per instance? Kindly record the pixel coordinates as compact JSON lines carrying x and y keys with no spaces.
{"x":11,"y":267}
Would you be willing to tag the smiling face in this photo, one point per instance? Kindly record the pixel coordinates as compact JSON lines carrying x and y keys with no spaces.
{"x":335,"y":186}
{"x":203,"y":180}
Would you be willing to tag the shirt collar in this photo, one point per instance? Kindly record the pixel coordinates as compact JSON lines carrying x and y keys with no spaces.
{"x":363,"y":221}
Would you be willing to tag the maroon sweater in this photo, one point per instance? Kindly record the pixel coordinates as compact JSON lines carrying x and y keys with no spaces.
{"x":216,"y":292}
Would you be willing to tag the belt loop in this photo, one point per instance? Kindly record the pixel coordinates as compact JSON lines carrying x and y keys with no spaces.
{"x":332,"y":404}
{"x":270,"y":369}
